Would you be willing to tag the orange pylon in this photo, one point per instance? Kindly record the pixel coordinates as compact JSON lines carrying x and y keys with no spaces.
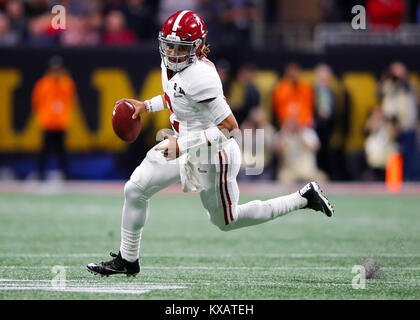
{"x":394,"y":172}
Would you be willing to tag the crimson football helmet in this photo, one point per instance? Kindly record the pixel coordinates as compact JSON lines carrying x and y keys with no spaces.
{"x":181,"y":40}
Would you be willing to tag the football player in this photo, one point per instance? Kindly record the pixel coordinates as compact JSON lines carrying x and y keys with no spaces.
{"x":200,"y":118}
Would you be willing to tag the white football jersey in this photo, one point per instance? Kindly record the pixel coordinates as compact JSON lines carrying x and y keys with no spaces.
{"x":185,"y":93}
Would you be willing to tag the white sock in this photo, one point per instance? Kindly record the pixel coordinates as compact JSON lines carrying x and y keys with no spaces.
{"x":285,"y":204}
{"x":134,"y":217}
{"x":256,"y":212}
{"x":130,"y":244}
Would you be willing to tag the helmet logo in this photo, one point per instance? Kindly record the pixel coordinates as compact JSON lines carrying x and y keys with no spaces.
{"x":200,"y":24}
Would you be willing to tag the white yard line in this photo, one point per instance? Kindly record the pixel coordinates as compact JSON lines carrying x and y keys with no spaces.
{"x":98,"y":281}
{"x":85,"y":286}
{"x":218,"y":268}
{"x":199,"y":255}
{"x":117,"y":188}
{"x":79,"y":289}
{"x":136,"y":288}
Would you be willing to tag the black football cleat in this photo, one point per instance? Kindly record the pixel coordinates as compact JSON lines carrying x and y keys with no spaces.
{"x":118,"y":265}
{"x":316,"y":200}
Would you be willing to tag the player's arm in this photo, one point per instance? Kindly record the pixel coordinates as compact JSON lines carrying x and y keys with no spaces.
{"x":227,"y":127}
{"x":229,"y":123}
{"x":155,"y":104}
{"x":220,"y":105}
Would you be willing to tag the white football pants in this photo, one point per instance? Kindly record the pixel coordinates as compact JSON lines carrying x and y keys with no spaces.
{"x":219,"y":197}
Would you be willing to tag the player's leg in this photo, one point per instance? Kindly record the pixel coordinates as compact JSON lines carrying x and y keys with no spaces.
{"x":257,"y":211}
{"x":221,"y":200}
{"x":151,"y":176}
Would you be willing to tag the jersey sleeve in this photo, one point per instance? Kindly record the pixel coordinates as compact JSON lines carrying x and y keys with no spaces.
{"x":218,"y":109}
{"x":205,"y":85}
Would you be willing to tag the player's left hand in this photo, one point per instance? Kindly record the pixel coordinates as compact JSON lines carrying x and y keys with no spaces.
{"x":170,"y":150}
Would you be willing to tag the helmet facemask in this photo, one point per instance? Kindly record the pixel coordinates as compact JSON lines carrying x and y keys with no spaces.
{"x":176,"y":53}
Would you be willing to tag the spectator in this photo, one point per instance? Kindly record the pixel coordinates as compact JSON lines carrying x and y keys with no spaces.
{"x":400,"y":103}
{"x":385,"y":14}
{"x":52,"y":101}
{"x":16,"y":12}
{"x":94,"y":17}
{"x":229,"y":22}
{"x":75,"y":7}
{"x":237,"y":18}
{"x":224,"y":69}
{"x":38,"y":32}
{"x":169,"y":7}
{"x":297,"y":146}
{"x":36,"y":8}
{"x":116,"y":32}
{"x":210,"y":11}
{"x":7,"y":37}
{"x":140,"y":19}
{"x":79,"y":33}
{"x":111,"y":5}
{"x":249,"y":97}
{"x":257,"y":120}
{"x":339,"y":10}
{"x":345,"y":164}
{"x":380,"y":144}
{"x":293,"y":99}
{"x":324,"y":114}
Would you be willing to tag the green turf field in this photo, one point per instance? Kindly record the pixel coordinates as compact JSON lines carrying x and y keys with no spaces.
{"x":303,"y":255}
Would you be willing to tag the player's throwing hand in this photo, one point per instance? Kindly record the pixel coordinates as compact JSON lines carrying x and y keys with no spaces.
{"x":140,"y":106}
{"x":170,"y":150}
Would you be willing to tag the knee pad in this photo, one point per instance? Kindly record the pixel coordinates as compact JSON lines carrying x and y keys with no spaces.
{"x":136,"y":207}
{"x":224,"y":227}
{"x":133,"y":192}
{"x":218,"y":221}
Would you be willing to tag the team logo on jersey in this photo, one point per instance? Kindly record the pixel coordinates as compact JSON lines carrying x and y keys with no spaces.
{"x":178,"y":91}
{"x":201,"y":171}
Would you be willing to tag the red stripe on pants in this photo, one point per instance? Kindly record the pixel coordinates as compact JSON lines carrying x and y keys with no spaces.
{"x":221,"y":188}
{"x":226,"y":187}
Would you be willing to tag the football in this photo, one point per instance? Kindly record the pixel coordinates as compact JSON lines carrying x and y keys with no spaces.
{"x":125,"y":127}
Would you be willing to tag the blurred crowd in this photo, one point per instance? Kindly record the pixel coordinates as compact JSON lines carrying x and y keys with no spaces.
{"x":115,"y":22}
{"x":305,"y":116}
{"x":133,"y":22}
{"x":300,"y":121}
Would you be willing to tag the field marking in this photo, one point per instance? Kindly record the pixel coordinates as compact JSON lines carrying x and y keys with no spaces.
{"x":79,"y":290}
{"x":134,"y":288}
{"x":116,"y":188}
{"x":85,"y":286}
{"x":199,"y":255}
{"x":99,"y":281}
{"x":219,"y":268}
